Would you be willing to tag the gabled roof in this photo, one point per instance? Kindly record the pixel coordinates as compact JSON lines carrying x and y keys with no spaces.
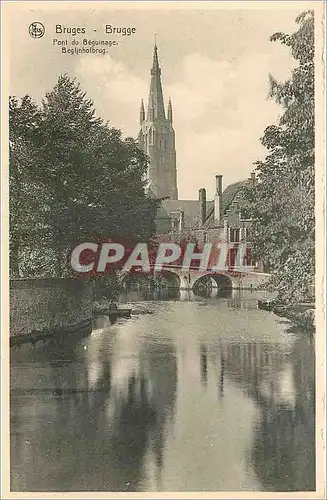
{"x":232,"y":193}
{"x":190,"y":207}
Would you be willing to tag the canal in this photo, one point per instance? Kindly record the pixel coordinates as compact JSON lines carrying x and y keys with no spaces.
{"x":190,"y":394}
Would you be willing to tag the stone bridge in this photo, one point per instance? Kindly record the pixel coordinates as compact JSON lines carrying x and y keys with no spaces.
{"x":186,"y":280}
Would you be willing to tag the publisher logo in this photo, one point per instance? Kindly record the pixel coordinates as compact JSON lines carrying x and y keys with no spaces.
{"x":36,"y":30}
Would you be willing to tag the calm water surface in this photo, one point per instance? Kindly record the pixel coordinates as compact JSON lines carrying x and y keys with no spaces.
{"x":190,"y":394}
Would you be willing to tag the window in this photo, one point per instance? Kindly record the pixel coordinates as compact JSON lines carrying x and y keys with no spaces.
{"x":234,"y":235}
{"x":245,"y":213}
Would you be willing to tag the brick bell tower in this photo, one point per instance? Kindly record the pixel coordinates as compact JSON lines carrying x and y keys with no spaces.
{"x":157,"y":138}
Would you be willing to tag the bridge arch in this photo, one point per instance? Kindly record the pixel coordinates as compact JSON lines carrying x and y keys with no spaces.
{"x":172,"y":277}
{"x":219,"y":282}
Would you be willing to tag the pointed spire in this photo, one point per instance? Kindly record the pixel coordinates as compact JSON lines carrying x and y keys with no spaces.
{"x":170,"y":111}
{"x":142,"y":112}
{"x":155,"y":65}
{"x":156,"y":96}
{"x":151,"y":111}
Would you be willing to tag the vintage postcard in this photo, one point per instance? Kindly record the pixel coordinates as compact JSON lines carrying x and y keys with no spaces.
{"x":163,"y":249}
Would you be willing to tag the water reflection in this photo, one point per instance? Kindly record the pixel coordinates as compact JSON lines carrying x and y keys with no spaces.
{"x":147,"y":294}
{"x":222,"y":375}
{"x":203,"y":361}
{"x":283,"y":450}
{"x":161,"y":402}
{"x":132,"y":295}
{"x":242,"y":300}
{"x":283,"y":388}
{"x":214,"y":293}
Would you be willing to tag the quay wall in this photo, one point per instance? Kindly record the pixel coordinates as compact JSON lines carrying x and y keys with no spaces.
{"x":40,"y":304}
{"x":253,"y":280}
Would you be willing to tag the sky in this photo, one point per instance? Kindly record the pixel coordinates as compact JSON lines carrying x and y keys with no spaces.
{"x":215,"y":67}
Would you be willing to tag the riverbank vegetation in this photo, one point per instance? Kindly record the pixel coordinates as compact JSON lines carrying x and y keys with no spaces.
{"x":281,"y":203}
{"x":72,"y":178}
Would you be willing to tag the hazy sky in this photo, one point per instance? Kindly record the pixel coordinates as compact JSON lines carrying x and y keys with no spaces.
{"x":215,"y":66}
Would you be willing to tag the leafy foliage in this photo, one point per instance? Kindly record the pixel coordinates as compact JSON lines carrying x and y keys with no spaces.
{"x":282,"y":201}
{"x":73,"y":178}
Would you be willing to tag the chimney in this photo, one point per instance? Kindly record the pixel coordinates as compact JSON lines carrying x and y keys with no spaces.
{"x":218,"y":207}
{"x":253,"y":180}
{"x":202,"y":206}
{"x":181,"y":224}
{"x":225,"y":233}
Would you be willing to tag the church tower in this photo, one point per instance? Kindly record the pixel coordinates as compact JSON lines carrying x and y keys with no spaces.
{"x":157,"y":138}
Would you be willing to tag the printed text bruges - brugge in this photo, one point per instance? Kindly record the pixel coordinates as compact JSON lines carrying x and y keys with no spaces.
{"x":109,"y":30}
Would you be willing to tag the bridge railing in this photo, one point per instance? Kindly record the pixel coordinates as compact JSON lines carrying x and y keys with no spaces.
{"x":230,"y":269}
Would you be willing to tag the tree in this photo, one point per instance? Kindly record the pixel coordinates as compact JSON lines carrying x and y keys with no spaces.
{"x":85,"y":179}
{"x":97,"y":176}
{"x":282,"y":201}
{"x":26,"y":207}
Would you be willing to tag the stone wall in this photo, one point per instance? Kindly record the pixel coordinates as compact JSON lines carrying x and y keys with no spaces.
{"x":257,"y":280}
{"x":47,"y":304}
